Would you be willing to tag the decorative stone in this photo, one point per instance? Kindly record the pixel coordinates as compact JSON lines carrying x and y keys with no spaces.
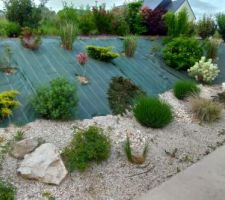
{"x":44,"y":164}
{"x":24,"y":147}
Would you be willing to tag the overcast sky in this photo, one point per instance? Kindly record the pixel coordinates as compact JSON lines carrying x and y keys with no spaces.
{"x":199,"y":6}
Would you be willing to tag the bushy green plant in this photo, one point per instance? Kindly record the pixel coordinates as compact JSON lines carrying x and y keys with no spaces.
{"x":7,"y":191}
{"x":204,"y":70}
{"x":7,"y":103}
{"x":121,"y":27}
{"x":206,"y":110}
{"x":221,"y":24}
{"x":86,"y":146}
{"x":122,"y":94}
{"x":153,"y":112}
{"x":212,"y":47}
{"x":13,"y":29}
{"x":206,"y":27}
{"x":182,"y":53}
{"x":56,"y":101}
{"x":185,"y":88}
{"x":130,"y":45}
{"x":68,"y":14}
{"x":86,"y":23}
{"x":101,"y":53}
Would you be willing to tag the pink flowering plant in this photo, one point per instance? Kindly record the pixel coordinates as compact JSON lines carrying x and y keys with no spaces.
{"x":82,"y":59}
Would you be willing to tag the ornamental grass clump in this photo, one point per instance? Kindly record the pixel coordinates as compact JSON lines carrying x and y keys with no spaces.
{"x":130,"y":45}
{"x":185,"y":88}
{"x":152,"y":112}
{"x":204,"y":70}
{"x":7,"y":191}
{"x":87,"y":146}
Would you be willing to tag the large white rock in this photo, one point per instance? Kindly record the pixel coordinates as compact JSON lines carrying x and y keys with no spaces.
{"x":44,"y":164}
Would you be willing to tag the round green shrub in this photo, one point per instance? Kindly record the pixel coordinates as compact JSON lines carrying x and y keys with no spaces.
{"x":7,"y":191}
{"x":185,"y":88}
{"x":182,"y":53}
{"x":13,"y":29}
{"x":87,"y":146}
{"x":152,"y":112}
{"x":56,"y":101}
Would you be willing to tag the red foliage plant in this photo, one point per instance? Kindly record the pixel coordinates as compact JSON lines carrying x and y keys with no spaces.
{"x":82,"y":58}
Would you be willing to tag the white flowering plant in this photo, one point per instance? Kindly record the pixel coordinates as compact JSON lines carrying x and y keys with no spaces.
{"x":204,"y":71}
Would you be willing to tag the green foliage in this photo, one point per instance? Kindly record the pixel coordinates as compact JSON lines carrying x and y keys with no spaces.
{"x":121,"y":27}
{"x":185,"y":88}
{"x":7,"y":191}
{"x":68,"y":14}
{"x":6,"y":58}
{"x":206,"y":27}
{"x":48,"y":196}
{"x":152,"y":112}
{"x":221,"y":24}
{"x":212,"y":47}
{"x":86,"y":23}
{"x":19,"y":136}
{"x":204,"y":70}
{"x":12,"y":29}
{"x":130,"y":45}
{"x":206,"y":110}
{"x":101,"y":53}
{"x":7,"y":103}
{"x":87,"y":146}
{"x":56,"y":101}
{"x":182,"y":53}
{"x":122,"y":94}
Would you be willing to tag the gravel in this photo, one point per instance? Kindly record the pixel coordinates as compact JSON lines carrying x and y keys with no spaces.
{"x":171,"y":150}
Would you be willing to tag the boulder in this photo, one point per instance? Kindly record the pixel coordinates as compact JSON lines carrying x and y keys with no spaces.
{"x":24,"y":147}
{"x":44,"y":164}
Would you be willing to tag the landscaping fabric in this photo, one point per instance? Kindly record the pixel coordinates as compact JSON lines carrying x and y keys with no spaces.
{"x":36,"y":68}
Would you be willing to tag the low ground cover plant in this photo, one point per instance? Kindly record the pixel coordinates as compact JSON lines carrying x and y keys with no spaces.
{"x":206,"y":110}
{"x":57,"y":100}
{"x":182,"y":53}
{"x":153,"y":112}
{"x":101,"y":53}
{"x":7,"y":191}
{"x":88,"y":145}
{"x":122,"y":94}
{"x":130,"y":45}
{"x":185,"y":88}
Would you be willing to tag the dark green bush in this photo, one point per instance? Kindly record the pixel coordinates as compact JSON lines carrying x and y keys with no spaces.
{"x":122,"y":94}
{"x":182,"y":53}
{"x":101,"y":53}
{"x":221,"y":24}
{"x":86,"y":23}
{"x":206,"y":27}
{"x":185,"y":88}
{"x":7,"y":191}
{"x":87,"y":146}
{"x":152,"y":112}
{"x":56,"y":101}
{"x":13,"y":29}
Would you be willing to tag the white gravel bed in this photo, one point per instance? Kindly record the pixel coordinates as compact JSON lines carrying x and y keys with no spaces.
{"x":116,"y":178}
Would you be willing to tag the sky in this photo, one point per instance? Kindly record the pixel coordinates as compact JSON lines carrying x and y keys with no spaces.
{"x":200,"y":7}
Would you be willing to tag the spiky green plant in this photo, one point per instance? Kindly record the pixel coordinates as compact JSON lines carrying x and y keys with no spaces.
{"x":130,"y":45}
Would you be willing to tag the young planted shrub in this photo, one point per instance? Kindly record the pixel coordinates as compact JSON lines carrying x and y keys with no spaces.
{"x":185,"y":88}
{"x":68,"y":34}
{"x":130,"y":45}
{"x":13,"y":29}
{"x":7,"y":103}
{"x":204,"y":70}
{"x":152,"y":112}
{"x":182,"y":53}
{"x":212,"y":47}
{"x":86,"y":146}
{"x":101,"y":53}
{"x":122,"y":94}
{"x":206,"y":27}
{"x":221,"y":24}
{"x":206,"y":110}
{"x":56,"y":101}
{"x":7,"y":191}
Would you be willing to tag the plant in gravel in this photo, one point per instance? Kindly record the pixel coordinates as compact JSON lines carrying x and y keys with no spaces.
{"x":130,"y":45}
{"x":185,"y":88}
{"x":212,"y":47}
{"x":153,"y":112}
{"x":48,"y":196}
{"x":206,"y":110}
{"x":135,"y":159}
{"x":181,"y":53}
{"x":19,"y":136}
{"x":86,"y":146}
{"x":221,"y":97}
{"x":204,"y":70}
{"x":56,"y":101}
{"x":221,"y":24}
{"x":122,"y":93}
{"x":101,"y":53}
{"x":7,"y":191}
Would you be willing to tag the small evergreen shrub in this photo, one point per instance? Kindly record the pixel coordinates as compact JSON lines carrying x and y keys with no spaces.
{"x":204,"y":70}
{"x":206,"y":27}
{"x":7,"y":191}
{"x":13,"y":29}
{"x":56,"y":101}
{"x":130,"y":45}
{"x":122,"y":94}
{"x":182,"y":53}
{"x":206,"y":110}
{"x":86,"y":146}
{"x":184,"y":88}
{"x":7,"y":103}
{"x":86,"y":23}
{"x":221,"y":24}
{"x":152,"y":112}
{"x":101,"y":53}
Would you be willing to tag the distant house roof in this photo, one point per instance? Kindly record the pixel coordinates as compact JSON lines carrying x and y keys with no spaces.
{"x":175,"y":5}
